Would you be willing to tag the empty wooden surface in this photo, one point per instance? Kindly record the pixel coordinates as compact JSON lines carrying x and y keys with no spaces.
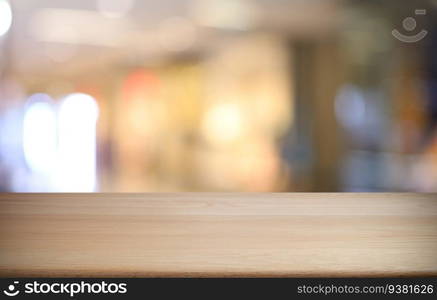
{"x":218,"y":234}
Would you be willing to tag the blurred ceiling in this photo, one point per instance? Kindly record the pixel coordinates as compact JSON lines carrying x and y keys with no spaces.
{"x":47,"y":34}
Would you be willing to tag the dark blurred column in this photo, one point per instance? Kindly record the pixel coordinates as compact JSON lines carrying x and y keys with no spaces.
{"x":316,"y":142}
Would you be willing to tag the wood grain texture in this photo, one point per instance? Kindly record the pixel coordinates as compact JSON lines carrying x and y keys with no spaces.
{"x":202,"y":234}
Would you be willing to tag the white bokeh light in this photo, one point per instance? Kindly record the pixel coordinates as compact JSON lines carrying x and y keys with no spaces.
{"x":39,"y":135}
{"x":5,"y":17}
{"x":76,"y":171}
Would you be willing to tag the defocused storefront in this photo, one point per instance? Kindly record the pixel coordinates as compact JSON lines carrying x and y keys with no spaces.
{"x":252,"y":96}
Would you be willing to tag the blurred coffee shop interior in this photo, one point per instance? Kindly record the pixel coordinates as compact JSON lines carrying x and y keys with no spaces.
{"x":217,"y":95}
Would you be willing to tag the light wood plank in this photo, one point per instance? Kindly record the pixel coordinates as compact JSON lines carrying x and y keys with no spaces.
{"x":208,"y":234}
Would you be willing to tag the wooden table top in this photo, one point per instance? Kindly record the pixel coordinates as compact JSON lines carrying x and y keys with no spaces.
{"x":207,"y":234}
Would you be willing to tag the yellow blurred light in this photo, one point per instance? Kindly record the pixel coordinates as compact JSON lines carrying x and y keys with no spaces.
{"x":224,"y":123}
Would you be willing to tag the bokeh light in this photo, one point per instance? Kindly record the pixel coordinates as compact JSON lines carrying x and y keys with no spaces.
{"x":76,"y":171}
{"x":5,"y":17}
{"x":40,"y":134}
{"x":224,"y":123}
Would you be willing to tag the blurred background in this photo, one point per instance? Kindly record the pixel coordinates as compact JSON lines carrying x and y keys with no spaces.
{"x":218,"y":95}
